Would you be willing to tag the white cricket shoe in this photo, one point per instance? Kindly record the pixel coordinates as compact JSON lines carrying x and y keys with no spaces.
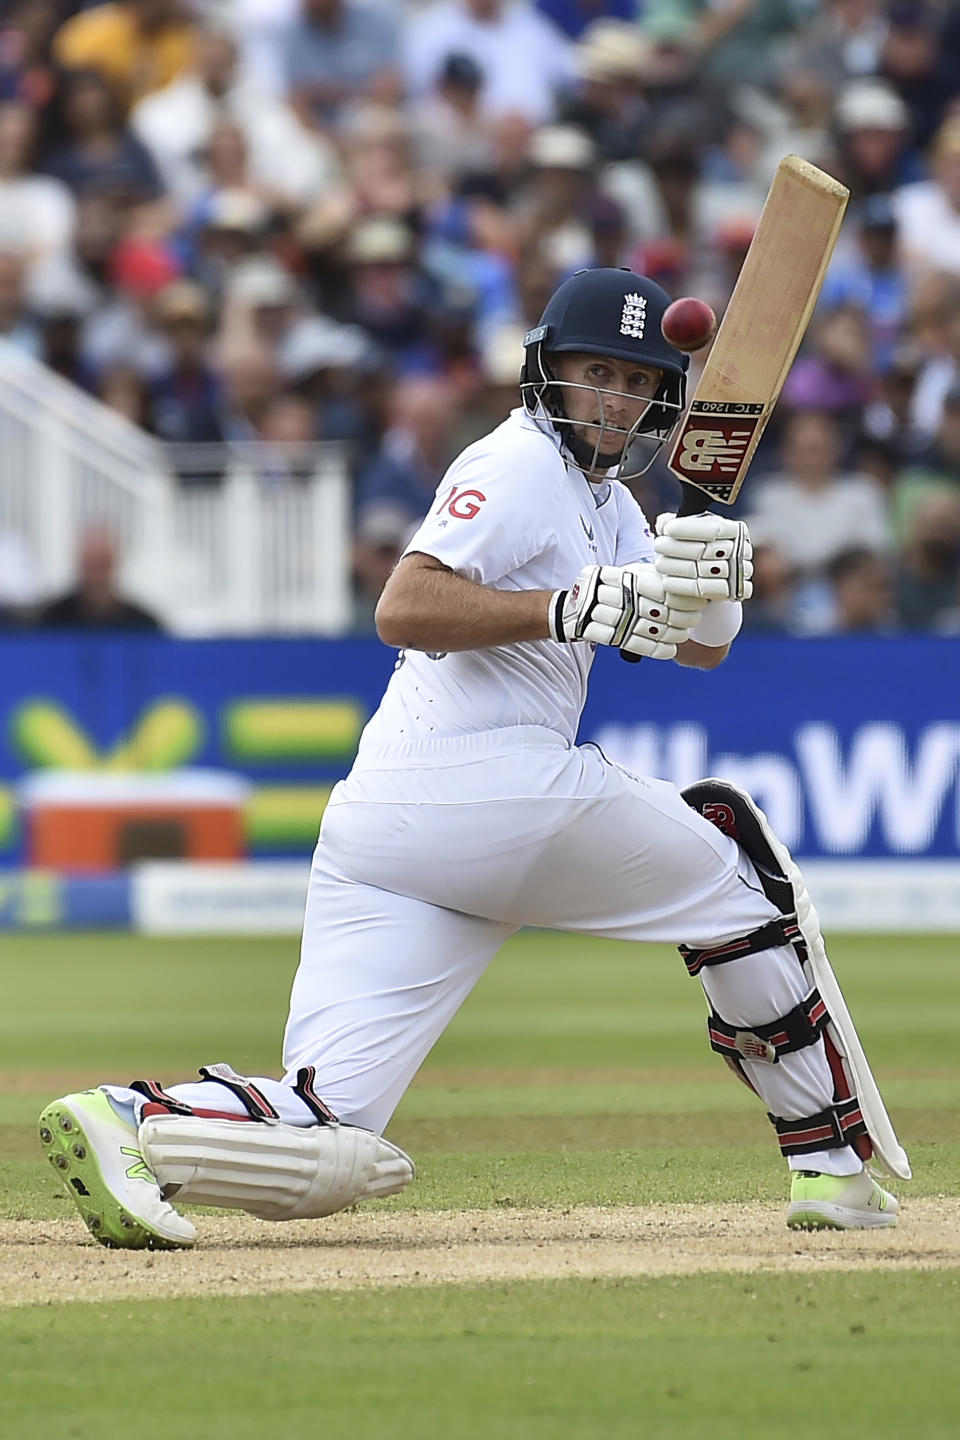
{"x":98,"y":1158}
{"x":839,"y":1202}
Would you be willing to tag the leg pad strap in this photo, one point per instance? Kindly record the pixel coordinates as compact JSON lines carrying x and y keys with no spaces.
{"x":841,"y":1125}
{"x":803,"y":1026}
{"x":782,"y":931}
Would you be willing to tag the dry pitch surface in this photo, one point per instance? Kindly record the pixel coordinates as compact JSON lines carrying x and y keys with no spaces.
{"x":44,"y":1261}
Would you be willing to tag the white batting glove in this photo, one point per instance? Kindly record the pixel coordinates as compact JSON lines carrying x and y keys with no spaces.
{"x":625,"y":606}
{"x":705,"y":555}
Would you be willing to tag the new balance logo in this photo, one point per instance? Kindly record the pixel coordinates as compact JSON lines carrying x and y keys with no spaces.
{"x":140,"y":1170}
{"x":708,"y":450}
{"x":634,"y":317}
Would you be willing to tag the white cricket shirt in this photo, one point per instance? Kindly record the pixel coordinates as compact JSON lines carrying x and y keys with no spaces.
{"x":512,"y":514}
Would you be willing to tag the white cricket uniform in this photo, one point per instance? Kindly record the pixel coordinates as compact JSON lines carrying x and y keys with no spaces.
{"x":470,"y":811}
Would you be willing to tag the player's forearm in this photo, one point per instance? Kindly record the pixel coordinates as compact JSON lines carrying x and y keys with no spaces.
{"x":701,"y":657}
{"x":426,"y":608}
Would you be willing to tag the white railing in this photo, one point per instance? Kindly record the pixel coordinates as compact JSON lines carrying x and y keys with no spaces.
{"x":249,"y":552}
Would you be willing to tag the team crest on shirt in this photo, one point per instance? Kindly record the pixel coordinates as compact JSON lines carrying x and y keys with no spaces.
{"x":633,"y":320}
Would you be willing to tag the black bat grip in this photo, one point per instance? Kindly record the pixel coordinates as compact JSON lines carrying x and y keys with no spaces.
{"x":692,"y":502}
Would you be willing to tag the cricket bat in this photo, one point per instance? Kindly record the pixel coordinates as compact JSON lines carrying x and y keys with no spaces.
{"x":759,"y":335}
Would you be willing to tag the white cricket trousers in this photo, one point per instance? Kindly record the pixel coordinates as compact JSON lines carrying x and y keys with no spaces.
{"x":432,"y":854}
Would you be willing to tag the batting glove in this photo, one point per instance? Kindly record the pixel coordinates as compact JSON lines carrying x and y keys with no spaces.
{"x":625,"y":606}
{"x":704,"y":555}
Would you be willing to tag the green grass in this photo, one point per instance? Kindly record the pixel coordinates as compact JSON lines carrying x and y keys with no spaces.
{"x":578,"y":1072}
{"x":729,"y":1357}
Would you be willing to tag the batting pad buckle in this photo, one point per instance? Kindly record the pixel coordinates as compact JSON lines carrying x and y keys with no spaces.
{"x":829,"y":1129}
{"x":782,"y":931}
{"x":803,"y":1026}
{"x":255,"y":1103}
{"x":156,"y":1095}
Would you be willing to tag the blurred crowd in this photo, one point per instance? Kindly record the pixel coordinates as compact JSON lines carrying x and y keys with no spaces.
{"x":291,"y":221}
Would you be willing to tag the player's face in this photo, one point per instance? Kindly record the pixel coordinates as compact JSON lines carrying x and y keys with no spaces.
{"x":605,"y":398}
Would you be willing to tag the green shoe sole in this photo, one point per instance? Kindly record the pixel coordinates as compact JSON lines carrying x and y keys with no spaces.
{"x":69,"y":1152}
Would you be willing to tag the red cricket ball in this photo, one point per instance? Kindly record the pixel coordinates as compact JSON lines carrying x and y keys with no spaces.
{"x":688,"y":324}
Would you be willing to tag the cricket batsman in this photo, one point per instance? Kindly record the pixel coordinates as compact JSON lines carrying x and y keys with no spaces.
{"x":471,"y":811}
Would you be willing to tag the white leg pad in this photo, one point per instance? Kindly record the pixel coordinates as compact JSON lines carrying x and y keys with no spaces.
{"x":278,"y":1172}
{"x":889,"y":1154}
{"x":888,"y":1151}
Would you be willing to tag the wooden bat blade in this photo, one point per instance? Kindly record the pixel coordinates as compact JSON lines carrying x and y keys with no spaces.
{"x":761,"y":330}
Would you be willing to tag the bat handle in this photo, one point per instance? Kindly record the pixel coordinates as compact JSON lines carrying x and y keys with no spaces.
{"x":692,"y":502}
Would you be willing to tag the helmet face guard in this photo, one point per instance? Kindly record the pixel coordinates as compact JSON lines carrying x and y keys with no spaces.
{"x":613,"y":313}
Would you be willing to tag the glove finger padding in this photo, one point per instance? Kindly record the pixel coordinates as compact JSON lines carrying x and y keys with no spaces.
{"x":704,"y":589}
{"x":690,"y":550}
{"x":704,"y":555}
{"x":624,"y":606}
{"x":648,"y":649}
{"x":699,"y":529}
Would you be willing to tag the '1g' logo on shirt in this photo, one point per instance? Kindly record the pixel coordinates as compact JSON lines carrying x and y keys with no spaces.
{"x":462,"y":504}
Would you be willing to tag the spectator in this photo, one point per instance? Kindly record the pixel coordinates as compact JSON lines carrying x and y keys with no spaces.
{"x":230,"y":227}
{"x":935,"y":472}
{"x":835,"y":373}
{"x":928,"y":577}
{"x":341,"y":374}
{"x":184,"y":396}
{"x":177,"y":123}
{"x":288,"y":431}
{"x":381,"y":534}
{"x":101,"y":153}
{"x":95,"y":602}
{"x":771,"y":607}
{"x":60,"y":316}
{"x":613,"y":60}
{"x":935,"y":319}
{"x":341,"y":51}
{"x":36,"y":211}
{"x":862,"y":592}
{"x":415,"y":452}
{"x":811,"y":510}
{"x":928,"y":212}
{"x":390,"y":296}
{"x":139,"y":45}
{"x":251,"y":381}
{"x":123,"y":277}
{"x":452,"y":136}
{"x":871,"y":279}
{"x":500,"y":38}
{"x":553,"y":209}
{"x":913,"y":63}
{"x":736,"y":38}
{"x":873,"y":137}
{"x":887,"y":418}
{"x":494,"y":391}
{"x":27,"y":72}
{"x":843,"y":40}
{"x":379,"y":158}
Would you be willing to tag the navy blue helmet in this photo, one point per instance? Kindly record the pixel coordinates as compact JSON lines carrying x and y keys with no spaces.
{"x":605,"y":312}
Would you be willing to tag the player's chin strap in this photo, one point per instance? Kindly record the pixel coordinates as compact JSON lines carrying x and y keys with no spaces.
{"x":272,"y":1170}
{"x":857,"y":1116}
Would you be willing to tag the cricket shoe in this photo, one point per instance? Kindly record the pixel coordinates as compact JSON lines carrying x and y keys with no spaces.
{"x":839,"y":1202}
{"x":100,"y":1163}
